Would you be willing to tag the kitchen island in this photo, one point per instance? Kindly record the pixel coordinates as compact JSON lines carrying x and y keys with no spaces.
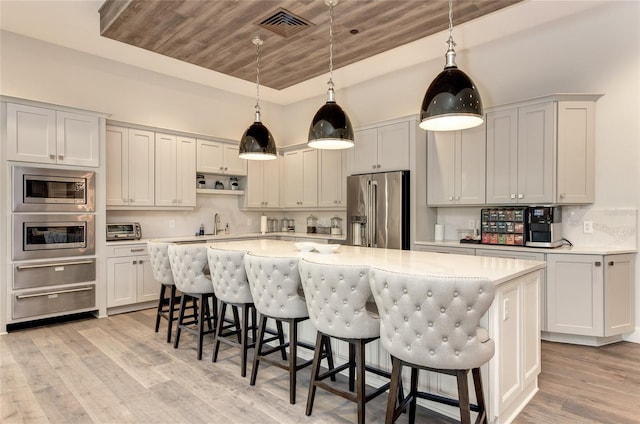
{"x":513,"y":321}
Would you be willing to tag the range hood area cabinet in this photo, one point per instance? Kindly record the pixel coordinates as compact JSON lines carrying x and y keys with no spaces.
{"x":542,"y":151}
{"x":456,"y":167}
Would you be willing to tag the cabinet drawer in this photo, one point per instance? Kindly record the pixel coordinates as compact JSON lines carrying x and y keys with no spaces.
{"x":128,"y":250}
{"x":31,"y":275}
{"x":44,"y":302}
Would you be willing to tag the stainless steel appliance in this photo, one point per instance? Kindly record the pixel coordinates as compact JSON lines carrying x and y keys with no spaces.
{"x":545,"y":226}
{"x":53,"y":190}
{"x":124,"y":231}
{"x":37,"y":236}
{"x":378,"y":210}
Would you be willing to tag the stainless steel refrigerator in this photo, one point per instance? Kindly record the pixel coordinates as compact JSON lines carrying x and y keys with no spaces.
{"x":378,"y":210}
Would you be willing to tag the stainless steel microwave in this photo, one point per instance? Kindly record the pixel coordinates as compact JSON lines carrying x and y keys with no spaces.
{"x":53,"y":190}
{"x":39,"y":236}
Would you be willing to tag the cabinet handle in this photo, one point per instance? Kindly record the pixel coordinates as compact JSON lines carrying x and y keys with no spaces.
{"x":134,"y":262}
{"x":49,"y":265}
{"x":52,"y":156}
{"x":132,"y":200}
{"x":140,"y":249}
{"x":124,"y":200}
{"x":53,"y":293}
{"x":225,"y":168}
{"x":451,"y":198}
{"x":598,"y":263}
{"x":373,"y":166}
{"x":562,"y":195}
{"x":222,"y":168}
{"x":512,"y":196}
{"x":520,"y":196}
{"x":378,"y":166}
{"x":61,"y":157}
{"x":457,"y":197}
{"x":611,"y":263}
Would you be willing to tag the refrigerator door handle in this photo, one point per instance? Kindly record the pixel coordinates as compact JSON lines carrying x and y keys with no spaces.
{"x":374,"y":210}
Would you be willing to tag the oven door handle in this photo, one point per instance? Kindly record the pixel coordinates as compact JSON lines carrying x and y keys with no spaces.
{"x":51,"y":293}
{"x":49,"y":265}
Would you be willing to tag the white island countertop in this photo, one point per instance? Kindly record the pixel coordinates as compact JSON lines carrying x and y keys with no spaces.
{"x":575,"y":250}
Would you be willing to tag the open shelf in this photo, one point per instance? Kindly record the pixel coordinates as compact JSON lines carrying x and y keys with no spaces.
{"x":217,"y":191}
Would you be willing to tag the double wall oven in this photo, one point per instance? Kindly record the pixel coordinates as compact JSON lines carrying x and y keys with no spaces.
{"x":53,"y":248}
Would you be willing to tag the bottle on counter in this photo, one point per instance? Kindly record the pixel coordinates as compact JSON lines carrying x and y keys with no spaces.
{"x":201,"y":232}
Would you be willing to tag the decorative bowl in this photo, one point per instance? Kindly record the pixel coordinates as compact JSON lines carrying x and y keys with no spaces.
{"x":327,"y":248}
{"x":305,"y":246}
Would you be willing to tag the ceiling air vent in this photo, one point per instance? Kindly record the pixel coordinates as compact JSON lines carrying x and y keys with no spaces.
{"x":284,"y":23}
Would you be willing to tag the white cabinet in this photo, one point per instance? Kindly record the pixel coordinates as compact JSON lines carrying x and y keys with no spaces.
{"x":263,"y":184}
{"x":175,"y":159}
{"x":445,"y":249}
{"x":37,"y":134}
{"x":130,"y":279}
{"x":380,"y":149}
{"x":215,"y":157}
{"x":130,"y":167}
{"x":456,"y":167}
{"x":332,"y":180}
{"x":590,"y":295}
{"x":541,"y":151}
{"x":300,"y":178}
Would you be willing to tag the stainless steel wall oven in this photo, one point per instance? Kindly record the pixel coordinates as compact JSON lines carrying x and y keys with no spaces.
{"x":37,"y":236}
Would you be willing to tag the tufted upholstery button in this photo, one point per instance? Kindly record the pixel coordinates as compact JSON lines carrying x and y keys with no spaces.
{"x":345,"y":301}
{"x":430,"y":323}
{"x":386,"y":285}
{"x":353,"y":288}
{"x":409,"y":347}
{"x":457,"y":324}
{"x":480,"y":291}
{"x":468,"y":308}
{"x":457,"y":352}
{"x":431,"y":352}
{"x":418,"y":336}
{"x":443,"y":310}
{"x":361,"y":274}
{"x":406,"y":319}
{"x":429,"y":293}
{"x":455,"y":294}
{"x":405,"y":291}
{"x":348,"y":324}
{"x":444,"y":339}
{"x":341,"y":277}
{"x":333,"y":290}
{"x":418,"y":308}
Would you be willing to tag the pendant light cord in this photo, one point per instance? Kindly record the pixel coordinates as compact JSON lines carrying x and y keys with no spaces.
{"x":330,"y":47}
{"x":451,"y":54}
{"x":257,"y":42}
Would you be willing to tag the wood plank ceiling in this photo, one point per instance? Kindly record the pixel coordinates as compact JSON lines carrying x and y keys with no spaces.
{"x":216,"y":34}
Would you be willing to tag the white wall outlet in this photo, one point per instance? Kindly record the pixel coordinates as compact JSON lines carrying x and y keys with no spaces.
{"x":471,"y":224}
{"x":172,"y":223}
{"x":249,"y":222}
{"x":587,"y":227}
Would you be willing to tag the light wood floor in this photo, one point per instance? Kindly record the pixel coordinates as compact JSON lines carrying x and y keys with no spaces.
{"x":117,"y":370}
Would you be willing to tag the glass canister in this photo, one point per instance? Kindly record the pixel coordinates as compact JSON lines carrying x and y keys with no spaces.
{"x":336,"y":225}
{"x":312,"y":224}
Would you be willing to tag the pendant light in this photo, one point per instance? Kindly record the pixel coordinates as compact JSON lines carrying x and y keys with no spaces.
{"x":257,"y":143}
{"x":331,"y":128}
{"x":452,"y":101}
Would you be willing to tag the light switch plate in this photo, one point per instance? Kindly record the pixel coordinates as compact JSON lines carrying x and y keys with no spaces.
{"x":587,"y":227}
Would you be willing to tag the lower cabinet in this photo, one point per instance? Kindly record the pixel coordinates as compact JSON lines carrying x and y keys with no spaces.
{"x":590,"y":295}
{"x":130,"y":280}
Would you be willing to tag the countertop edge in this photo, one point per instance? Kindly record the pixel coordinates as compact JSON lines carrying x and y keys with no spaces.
{"x":575,"y":250}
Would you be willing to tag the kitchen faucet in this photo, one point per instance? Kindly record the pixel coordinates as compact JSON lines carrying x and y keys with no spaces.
{"x":216,"y":221}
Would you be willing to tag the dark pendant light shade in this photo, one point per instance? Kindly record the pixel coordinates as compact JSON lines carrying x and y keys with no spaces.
{"x":330,"y":128}
{"x":257,"y":143}
{"x":452,"y":101}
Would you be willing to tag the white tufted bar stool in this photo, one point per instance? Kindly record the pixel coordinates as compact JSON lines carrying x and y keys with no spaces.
{"x":338,"y":300}
{"x":190,"y":266}
{"x":431,"y":323}
{"x":167,"y":306}
{"x":231,"y":287}
{"x":275,"y":286}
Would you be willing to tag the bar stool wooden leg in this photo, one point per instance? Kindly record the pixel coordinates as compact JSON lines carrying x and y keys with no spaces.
{"x":216,"y":339}
{"x":293,"y":358}
{"x":352,"y":367}
{"x":258,"y":349}
{"x":244,"y":339}
{"x":463,"y":395}
{"x":477,"y":382}
{"x":172,"y":311}
{"x":183,"y":304}
{"x":396,"y":376}
{"x":360,"y":390}
{"x":163,"y":289}
{"x":315,"y":372}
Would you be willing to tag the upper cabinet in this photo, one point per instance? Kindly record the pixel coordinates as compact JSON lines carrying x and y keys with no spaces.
{"x":332,"y":180}
{"x":43,"y":135}
{"x":263,"y":184}
{"x":541,"y":151}
{"x":176,"y":157}
{"x":215,"y":157}
{"x":300,"y":178}
{"x":456,"y":167}
{"x":380,"y":149}
{"x":130,"y":167}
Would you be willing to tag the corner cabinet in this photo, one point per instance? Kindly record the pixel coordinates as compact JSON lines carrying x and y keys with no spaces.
{"x":130,"y":281}
{"x":130,"y":166}
{"x":263,"y":184}
{"x":590,"y":295}
{"x":300,"y":178}
{"x":541,"y":151}
{"x":176,"y":157}
{"x":214,"y":157}
{"x":44,"y":135}
{"x":456,"y":167}
{"x":380,"y":149}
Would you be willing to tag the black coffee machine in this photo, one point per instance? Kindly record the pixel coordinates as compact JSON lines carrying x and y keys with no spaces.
{"x":544,"y":225}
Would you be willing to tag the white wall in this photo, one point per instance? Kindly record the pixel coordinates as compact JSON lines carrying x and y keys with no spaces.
{"x":596,"y":51}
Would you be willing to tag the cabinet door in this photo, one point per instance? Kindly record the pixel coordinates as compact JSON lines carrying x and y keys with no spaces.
{"x":502,"y":156}
{"x":331,"y":179}
{"x":619,"y":294}
{"x":165,"y":161}
{"x":141,"y":167}
{"x":293,"y":173}
{"x":536,"y":144}
{"x":363,"y":157}
{"x":78,"y":139}
{"x":31,"y":134}
{"x":186,"y":171}
{"x":255,"y":183}
{"x":575,"y":294}
{"x":576,"y":158}
{"x":310,"y":178}
{"x":393,"y":147}
{"x":441,"y":150}
{"x":147,"y":287}
{"x":233,"y":165}
{"x":210,"y":157}
{"x":117,"y":165}
{"x":121,"y":281}
{"x":470,"y":166}
{"x":271,"y":185}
